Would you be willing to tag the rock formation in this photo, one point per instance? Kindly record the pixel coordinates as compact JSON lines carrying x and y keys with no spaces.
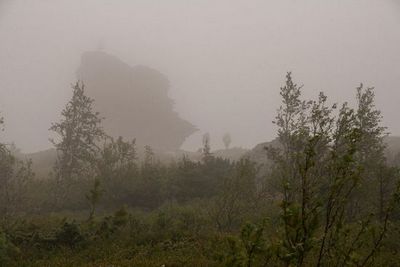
{"x":134,"y":101}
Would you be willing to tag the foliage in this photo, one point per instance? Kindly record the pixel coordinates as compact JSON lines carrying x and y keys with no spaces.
{"x":322,"y":163}
{"x":79,"y":132}
{"x":238,"y":198}
{"x":7,"y":250}
{"x":15,"y":176}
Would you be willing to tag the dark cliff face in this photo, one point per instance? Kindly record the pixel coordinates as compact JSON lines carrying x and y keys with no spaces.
{"x":134,"y":101}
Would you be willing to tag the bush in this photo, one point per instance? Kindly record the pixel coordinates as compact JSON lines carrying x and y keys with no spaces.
{"x":70,"y":235}
{"x":7,"y":250}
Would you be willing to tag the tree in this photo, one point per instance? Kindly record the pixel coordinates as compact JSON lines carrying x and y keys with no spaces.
{"x":117,"y":159}
{"x":79,"y":133}
{"x":117,"y":168}
{"x":250,"y":249}
{"x":237,"y":197}
{"x":93,"y":197}
{"x":227,"y":140}
{"x":320,"y":163}
{"x":15,"y":175}
{"x":148,"y":156}
{"x":1,"y":123}
{"x":207,"y":155}
{"x":372,"y":153}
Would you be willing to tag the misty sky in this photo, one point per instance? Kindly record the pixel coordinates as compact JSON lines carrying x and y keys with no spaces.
{"x":225,"y":59}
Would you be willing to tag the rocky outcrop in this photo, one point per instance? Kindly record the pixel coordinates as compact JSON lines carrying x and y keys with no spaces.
{"x":134,"y":101}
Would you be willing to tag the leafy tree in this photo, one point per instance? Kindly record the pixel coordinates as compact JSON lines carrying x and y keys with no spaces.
{"x":79,"y":134}
{"x":117,"y":158}
{"x":190,"y":180}
{"x":250,"y":249}
{"x":320,"y":165}
{"x":15,"y":175}
{"x":371,"y":154}
{"x":117,"y":166}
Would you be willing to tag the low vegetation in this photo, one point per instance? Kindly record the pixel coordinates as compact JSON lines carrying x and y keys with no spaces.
{"x":329,"y":198}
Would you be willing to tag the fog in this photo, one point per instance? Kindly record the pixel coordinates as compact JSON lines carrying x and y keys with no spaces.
{"x":225,"y":60}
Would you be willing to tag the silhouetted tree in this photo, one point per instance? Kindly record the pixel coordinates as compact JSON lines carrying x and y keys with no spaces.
{"x":227,"y":140}
{"x":207,"y":155}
